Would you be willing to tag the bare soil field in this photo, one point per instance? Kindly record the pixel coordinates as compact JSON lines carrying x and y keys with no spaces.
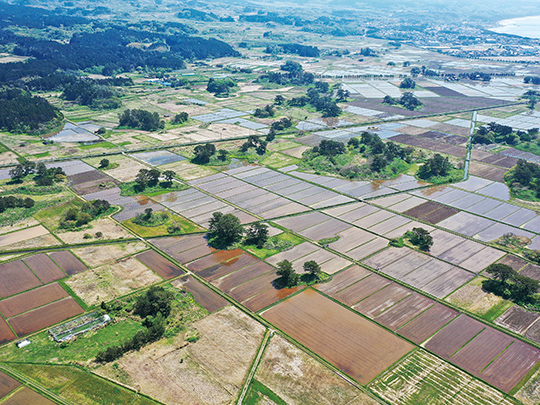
{"x":45,"y":316}
{"x":228,"y":267}
{"x":517,"y":319}
{"x":32,"y":299}
{"x":487,"y":171}
{"x":23,"y":224}
{"x":112,"y":280}
{"x":16,"y":277}
{"x":355,"y":345}
{"x":44,"y":268}
{"x":215,"y":259}
{"x":343,"y":279}
{"x":68,"y":262}
{"x":94,"y":256}
{"x":26,"y":396}
{"x":7,"y":384}
{"x":427,"y":323}
{"x":453,"y":336}
{"x":6,"y":334}
{"x":268,"y":297}
{"x":231,"y":280}
{"x":207,"y":298}
{"x":13,"y":238}
{"x":362,"y":289}
{"x":159,"y":264}
{"x":299,"y":379}
{"x":383,"y":299}
{"x":513,"y":261}
{"x":210,"y":371}
{"x":404,"y":311}
{"x":110,"y":230}
{"x":253,"y":287}
{"x":37,"y":242}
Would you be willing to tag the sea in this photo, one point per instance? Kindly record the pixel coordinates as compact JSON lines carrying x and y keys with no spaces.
{"x":524,"y":27}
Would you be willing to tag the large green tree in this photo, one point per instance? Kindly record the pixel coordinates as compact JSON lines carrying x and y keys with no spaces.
{"x":224,"y":230}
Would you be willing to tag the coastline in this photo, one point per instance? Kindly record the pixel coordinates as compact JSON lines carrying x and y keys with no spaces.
{"x":528,"y":27}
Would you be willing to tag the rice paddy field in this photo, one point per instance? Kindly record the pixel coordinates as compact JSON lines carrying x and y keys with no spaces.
{"x":385,"y":322}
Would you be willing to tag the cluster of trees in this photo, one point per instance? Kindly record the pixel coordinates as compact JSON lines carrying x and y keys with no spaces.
{"x":154,"y":307}
{"x":281,"y":125}
{"x":254,"y":141}
{"x":297,"y":78}
{"x":407,"y":100}
{"x":498,"y":133}
{"x":22,"y":112}
{"x":288,"y":278}
{"x":525,"y":175}
{"x":436,"y":166}
{"x":420,"y":237}
{"x":141,"y":119}
{"x":14,"y":202}
{"x":150,"y":178}
{"x":407,"y":83}
{"x":509,"y":284}
{"x":203,"y":153}
{"x":220,"y":87}
{"x":180,"y":118}
{"x":481,"y":76}
{"x":368,"y":52}
{"x":97,"y":96}
{"x":265,"y":112}
{"x":43,"y":176}
{"x":224,"y":230}
{"x":257,"y":234}
{"x":381,"y":153}
{"x":320,"y":97}
{"x":297,"y":49}
{"x":74,"y":218}
{"x":531,"y":80}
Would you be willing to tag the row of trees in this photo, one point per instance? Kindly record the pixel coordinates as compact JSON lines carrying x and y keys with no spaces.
{"x":42,"y":175}
{"x":498,"y":133}
{"x":11,"y":201}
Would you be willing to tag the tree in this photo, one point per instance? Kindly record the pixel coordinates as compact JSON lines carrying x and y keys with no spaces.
{"x":407,"y":83}
{"x":203,"y":153}
{"x":224,"y":230}
{"x":409,"y":101}
{"x":168,"y":175}
{"x":155,"y":301}
{"x":421,"y":238}
{"x":312,"y":267}
{"x":291,"y":66}
{"x":257,"y":235}
{"x":153,"y":177}
{"x":501,"y":272}
{"x":142,"y":179}
{"x":279,"y":99}
{"x":287,"y":276}
{"x":17,"y":174}
{"x":378,"y":163}
{"x":180,"y":118}
{"x":435,"y":166}
{"x":331,"y":148}
{"x":104,"y":163}
{"x":222,"y":154}
{"x":389,"y":100}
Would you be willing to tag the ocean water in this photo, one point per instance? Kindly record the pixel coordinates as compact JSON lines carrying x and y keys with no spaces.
{"x":524,"y":27}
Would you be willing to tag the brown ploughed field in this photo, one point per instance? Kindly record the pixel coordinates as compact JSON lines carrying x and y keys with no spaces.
{"x":16,"y":277}
{"x":7,"y":384}
{"x":68,"y":262}
{"x":44,"y":268}
{"x":159,"y":264}
{"x":207,"y":298}
{"x":32,"y":299}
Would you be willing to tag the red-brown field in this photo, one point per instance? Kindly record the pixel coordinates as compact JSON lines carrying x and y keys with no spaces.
{"x":362,"y":289}
{"x":207,"y":298}
{"x":343,"y":279}
{"x":355,"y":345}
{"x":214,"y":259}
{"x":382,"y":300}
{"x":7,"y":384}
{"x":32,"y":299}
{"x":268,"y":297}
{"x":44,"y":268}
{"x":192,"y":254}
{"x":159,"y":264}
{"x":27,"y":397}
{"x":6,"y":334}
{"x":45,"y":316}
{"x":404,"y":311}
{"x":68,"y":262}
{"x":513,"y":261}
{"x":480,"y":351}
{"x":423,"y":209}
{"x":227,"y":267}
{"x":454,"y":336}
{"x":16,"y":277}
{"x":511,"y":366}
{"x":427,"y":323}
{"x":487,"y":171}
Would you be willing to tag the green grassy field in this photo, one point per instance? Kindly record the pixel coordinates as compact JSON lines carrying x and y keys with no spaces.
{"x":80,"y":386}
{"x":149,"y":231}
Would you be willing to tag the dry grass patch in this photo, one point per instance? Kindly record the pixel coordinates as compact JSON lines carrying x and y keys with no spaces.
{"x":188,"y":171}
{"x":94,"y":256}
{"x":112,"y":280}
{"x":37,"y":242}
{"x":473,"y":298}
{"x":298,"y":378}
{"x":25,"y":223}
{"x":110,"y":230}
{"x":209,"y":371}
{"x":127,"y":168}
